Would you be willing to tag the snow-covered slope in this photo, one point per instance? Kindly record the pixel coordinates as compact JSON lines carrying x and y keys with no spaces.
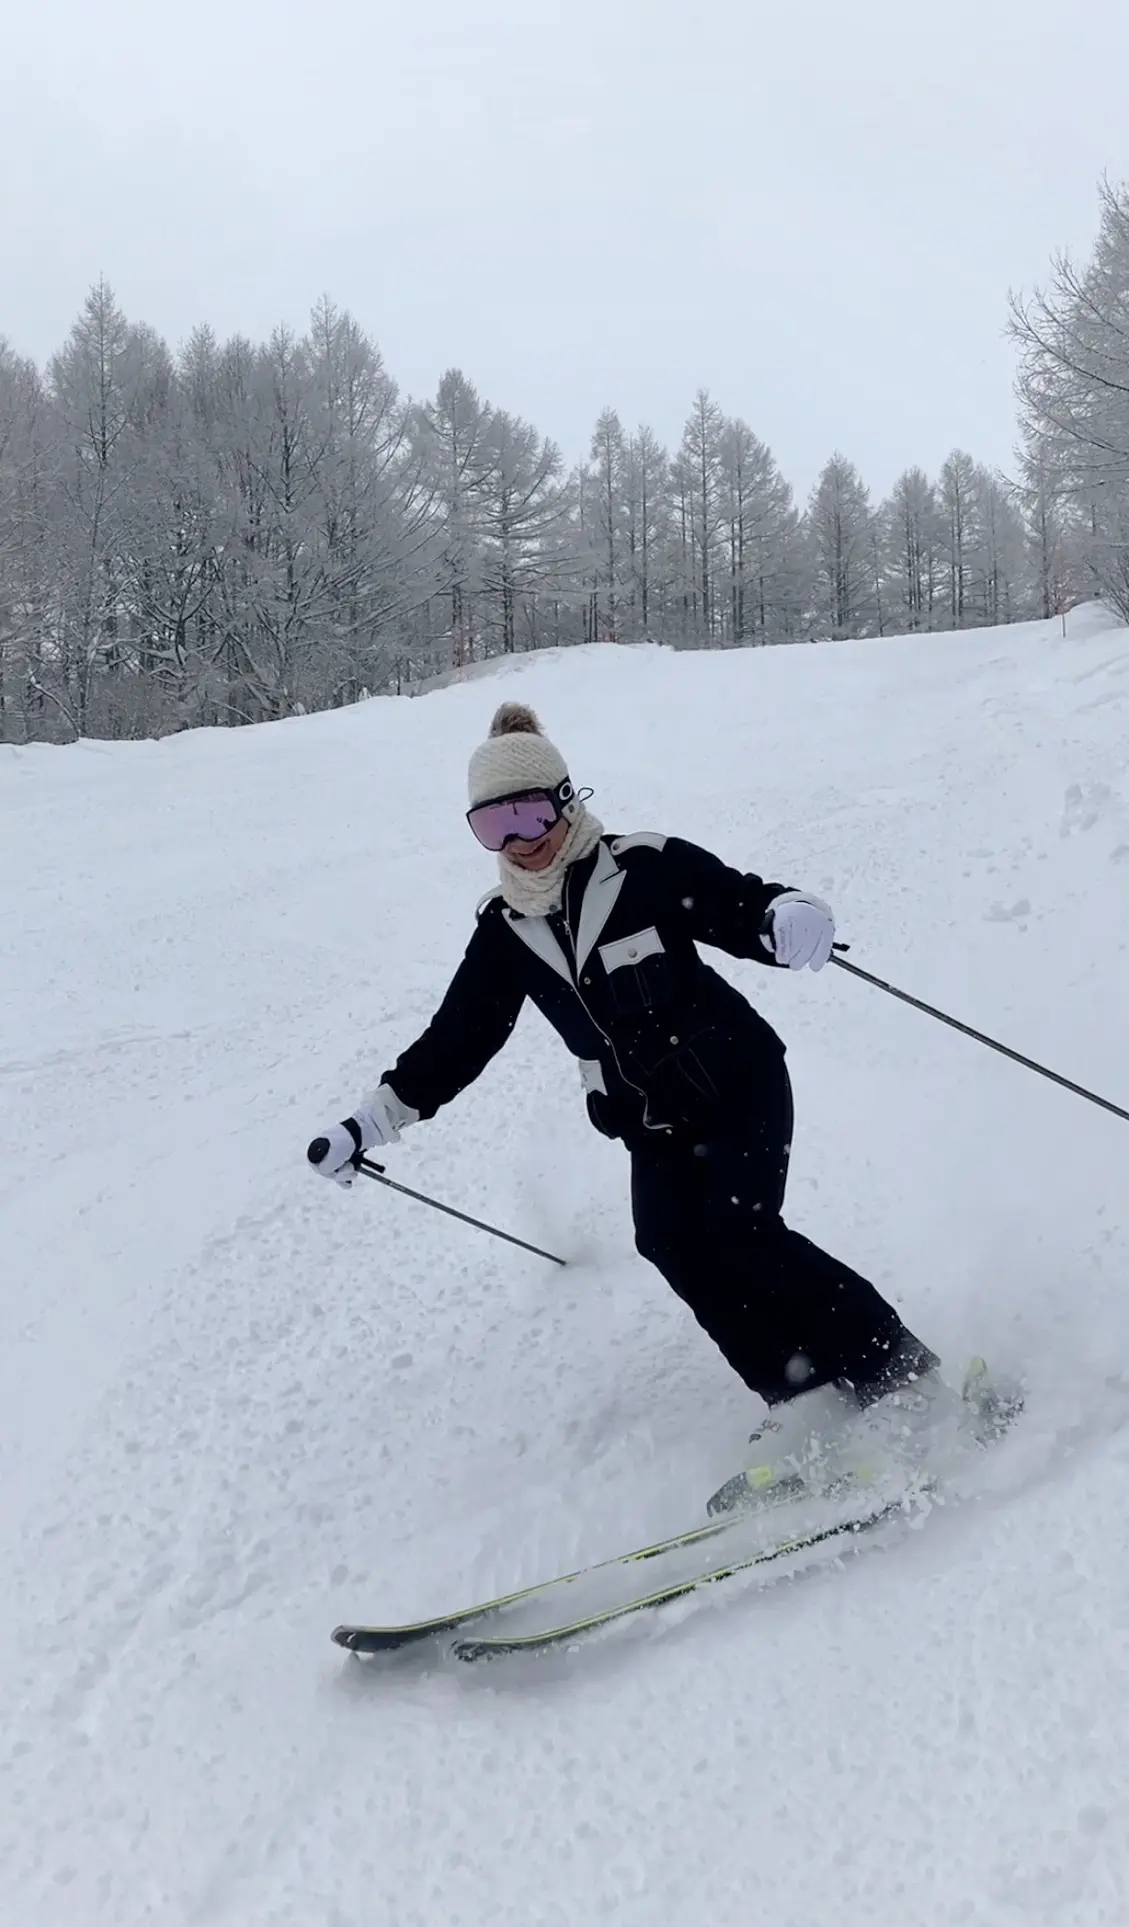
{"x":237,"y":1405}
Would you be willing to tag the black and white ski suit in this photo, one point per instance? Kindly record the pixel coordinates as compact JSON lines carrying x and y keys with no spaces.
{"x":677,"y":1064}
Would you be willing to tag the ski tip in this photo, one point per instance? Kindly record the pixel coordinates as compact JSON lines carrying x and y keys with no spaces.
{"x":362,"y":1639}
{"x":474,"y":1649}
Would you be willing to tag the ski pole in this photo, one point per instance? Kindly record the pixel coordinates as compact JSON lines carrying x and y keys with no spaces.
{"x":372,"y":1170}
{"x":954,"y":1023}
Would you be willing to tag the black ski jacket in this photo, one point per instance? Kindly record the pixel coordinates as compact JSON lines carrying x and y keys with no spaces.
{"x":664,"y":1042}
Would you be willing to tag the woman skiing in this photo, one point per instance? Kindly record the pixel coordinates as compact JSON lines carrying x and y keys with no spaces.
{"x":601,"y":933}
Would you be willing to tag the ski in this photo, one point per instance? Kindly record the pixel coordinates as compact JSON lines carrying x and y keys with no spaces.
{"x":732,"y":1542}
{"x":497,"y":1646}
{"x":390,"y":1639}
{"x":369,"y":1640}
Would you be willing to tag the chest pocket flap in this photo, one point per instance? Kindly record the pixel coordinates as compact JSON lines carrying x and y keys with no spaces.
{"x":631,"y":950}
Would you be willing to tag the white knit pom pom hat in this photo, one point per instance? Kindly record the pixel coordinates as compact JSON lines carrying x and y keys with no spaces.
{"x":516,"y":756}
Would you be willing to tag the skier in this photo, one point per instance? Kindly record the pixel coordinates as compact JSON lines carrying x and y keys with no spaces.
{"x":601,"y":933}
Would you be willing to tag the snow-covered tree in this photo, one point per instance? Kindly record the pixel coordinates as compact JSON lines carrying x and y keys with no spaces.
{"x":911,"y":535}
{"x":698,"y":482}
{"x":374,"y":502}
{"x":459,"y":458}
{"x":1044,"y":505}
{"x":524,"y":512}
{"x":839,"y":536}
{"x":608,"y":508}
{"x":762,"y":578}
{"x":1002,"y":591}
{"x":24,"y":576}
{"x":1073,"y":388}
{"x":110,"y":387}
{"x":959,"y":503}
{"x":982,"y":547}
{"x":646,"y":510}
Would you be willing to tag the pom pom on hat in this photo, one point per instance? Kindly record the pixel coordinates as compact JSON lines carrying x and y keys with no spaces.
{"x":516,"y":756}
{"x":515,"y":719}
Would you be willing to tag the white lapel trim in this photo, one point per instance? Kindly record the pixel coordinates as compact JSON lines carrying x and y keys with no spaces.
{"x":537,"y":936}
{"x":600,"y":893}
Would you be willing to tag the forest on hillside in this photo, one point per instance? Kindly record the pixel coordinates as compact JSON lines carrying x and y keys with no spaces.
{"x":236,"y":531}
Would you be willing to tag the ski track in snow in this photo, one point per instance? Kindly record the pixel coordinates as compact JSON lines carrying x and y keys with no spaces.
{"x":237,"y":1406}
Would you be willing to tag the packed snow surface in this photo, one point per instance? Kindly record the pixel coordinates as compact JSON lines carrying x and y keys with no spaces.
{"x":238,"y":1405}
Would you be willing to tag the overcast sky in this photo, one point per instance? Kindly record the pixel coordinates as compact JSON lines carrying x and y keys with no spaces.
{"x":815,"y":210}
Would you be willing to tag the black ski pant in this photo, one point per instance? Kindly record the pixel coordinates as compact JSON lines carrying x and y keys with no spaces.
{"x":785,"y":1314}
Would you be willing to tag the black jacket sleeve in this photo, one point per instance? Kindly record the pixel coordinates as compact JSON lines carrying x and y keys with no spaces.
{"x":472,"y":1023}
{"x":722,"y":906}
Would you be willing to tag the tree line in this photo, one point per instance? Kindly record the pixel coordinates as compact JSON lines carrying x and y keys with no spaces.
{"x":242,"y":531}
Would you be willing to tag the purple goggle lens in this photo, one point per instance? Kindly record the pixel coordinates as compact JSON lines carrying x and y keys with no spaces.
{"x":520,"y":819}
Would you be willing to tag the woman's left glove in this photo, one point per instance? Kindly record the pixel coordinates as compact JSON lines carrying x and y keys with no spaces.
{"x":800,"y":930}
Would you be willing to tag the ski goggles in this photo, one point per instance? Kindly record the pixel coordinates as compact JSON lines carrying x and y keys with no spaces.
{"x":524,"y":818}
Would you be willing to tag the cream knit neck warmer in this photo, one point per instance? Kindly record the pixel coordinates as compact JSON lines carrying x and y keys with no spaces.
{"x":537,"y":893}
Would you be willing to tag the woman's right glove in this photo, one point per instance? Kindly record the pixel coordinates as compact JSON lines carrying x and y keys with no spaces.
{"x":801,"y":930}
{"x":378,"y":1119}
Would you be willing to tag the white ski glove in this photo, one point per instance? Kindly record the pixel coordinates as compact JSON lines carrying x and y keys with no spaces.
{"x":378,"y":1119}
{"x":801,"y":930}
